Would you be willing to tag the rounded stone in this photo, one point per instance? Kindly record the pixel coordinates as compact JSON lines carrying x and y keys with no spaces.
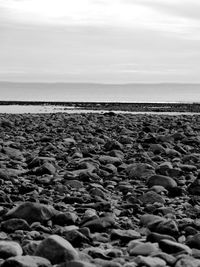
{"x":56,"y":249}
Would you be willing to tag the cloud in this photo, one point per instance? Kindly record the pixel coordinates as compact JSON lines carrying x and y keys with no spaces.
{"x":183,"y":8}
{"x":107,"y":12}
{"x":94,"y":52}
{"x":99,"y":39}
{"x":165,"y":17}
{"x":181,"y":17}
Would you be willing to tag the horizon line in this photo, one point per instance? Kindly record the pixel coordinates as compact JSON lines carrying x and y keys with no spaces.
{"x":101,"y":102}
{"x":101,"y":83}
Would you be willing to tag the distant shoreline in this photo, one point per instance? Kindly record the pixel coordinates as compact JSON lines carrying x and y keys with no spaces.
{"x":114,"y":106}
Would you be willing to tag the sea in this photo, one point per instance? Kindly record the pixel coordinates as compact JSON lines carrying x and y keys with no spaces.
{"x":92,"y":92}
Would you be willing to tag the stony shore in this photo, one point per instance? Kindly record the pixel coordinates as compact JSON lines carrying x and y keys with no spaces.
{"x":114,"y":106}
{"x":106,"y":190}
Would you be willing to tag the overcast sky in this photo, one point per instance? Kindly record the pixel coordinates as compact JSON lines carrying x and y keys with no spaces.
{"x":113,"y":41}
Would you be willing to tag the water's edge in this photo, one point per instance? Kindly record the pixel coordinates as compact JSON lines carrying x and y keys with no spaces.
{"x":40,"y":109}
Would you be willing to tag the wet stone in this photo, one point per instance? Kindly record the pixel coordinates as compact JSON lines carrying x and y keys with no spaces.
{"x":166,"y":226}
{"x":143,"y":249}
{"x":165,"y":181}
{"x":32,"y":212}
{"x":100,"y":224}
{"x":124,"y":235}
{"x":99,"y":190}
{"x":12,"y":225}
{"x":193,"y":241}
{"x":9,"y":249}
{"x":172,"y":247}
{"x":140,"y":170}
{"x":66,"y":218}
{"x":26,"y":261}
{"x":156,"y":238}
{"x":76,"y":264}
{"x":151,"y":197}
{"x":150,"y":261}
{"x":187,"y":261}
{"x":56,"y":249}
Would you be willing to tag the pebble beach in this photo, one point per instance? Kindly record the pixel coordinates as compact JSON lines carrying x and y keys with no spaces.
{"x":105,"y":190}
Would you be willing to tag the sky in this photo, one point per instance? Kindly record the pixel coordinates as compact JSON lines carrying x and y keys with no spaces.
{"x":106,"y":41}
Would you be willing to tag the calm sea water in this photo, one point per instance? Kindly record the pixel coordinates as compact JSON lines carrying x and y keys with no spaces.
{"x":81,"y":92}
{"x":40,"y":109}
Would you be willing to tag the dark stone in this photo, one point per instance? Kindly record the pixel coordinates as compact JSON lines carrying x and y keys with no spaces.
{"x":12,"y":225}
{"x":32,"y":212}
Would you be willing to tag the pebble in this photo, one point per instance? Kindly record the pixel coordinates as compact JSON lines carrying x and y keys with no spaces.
{"x":187,"y":261}
{"x":99,"y":224}
{"x":140,"y":170}
{"x":12,"y":225}
{"x":26,"y":261}
{"x":56,"y":249}
{"x":9,"y":249}
{"x":156,"y":238}
{"x":144,"y":249}
{"x":193,"y":241}
{"x":99,"y":190}
{"x":151,"y":197}
{"x":76,"y":264}
{"x":150,"y":261}
{"x":32,"y":212}
{"x":166,"y":226}
{"x":165,"y":181}
{"x":172,"y":247}
{"x":124,"y":235}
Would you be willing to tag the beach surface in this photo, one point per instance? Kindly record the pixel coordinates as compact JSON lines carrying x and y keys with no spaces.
{"x":32,"y":107}
{"x":99,"y":189}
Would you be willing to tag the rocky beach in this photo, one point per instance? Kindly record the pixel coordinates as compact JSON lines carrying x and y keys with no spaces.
{"x":105,"y":190}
